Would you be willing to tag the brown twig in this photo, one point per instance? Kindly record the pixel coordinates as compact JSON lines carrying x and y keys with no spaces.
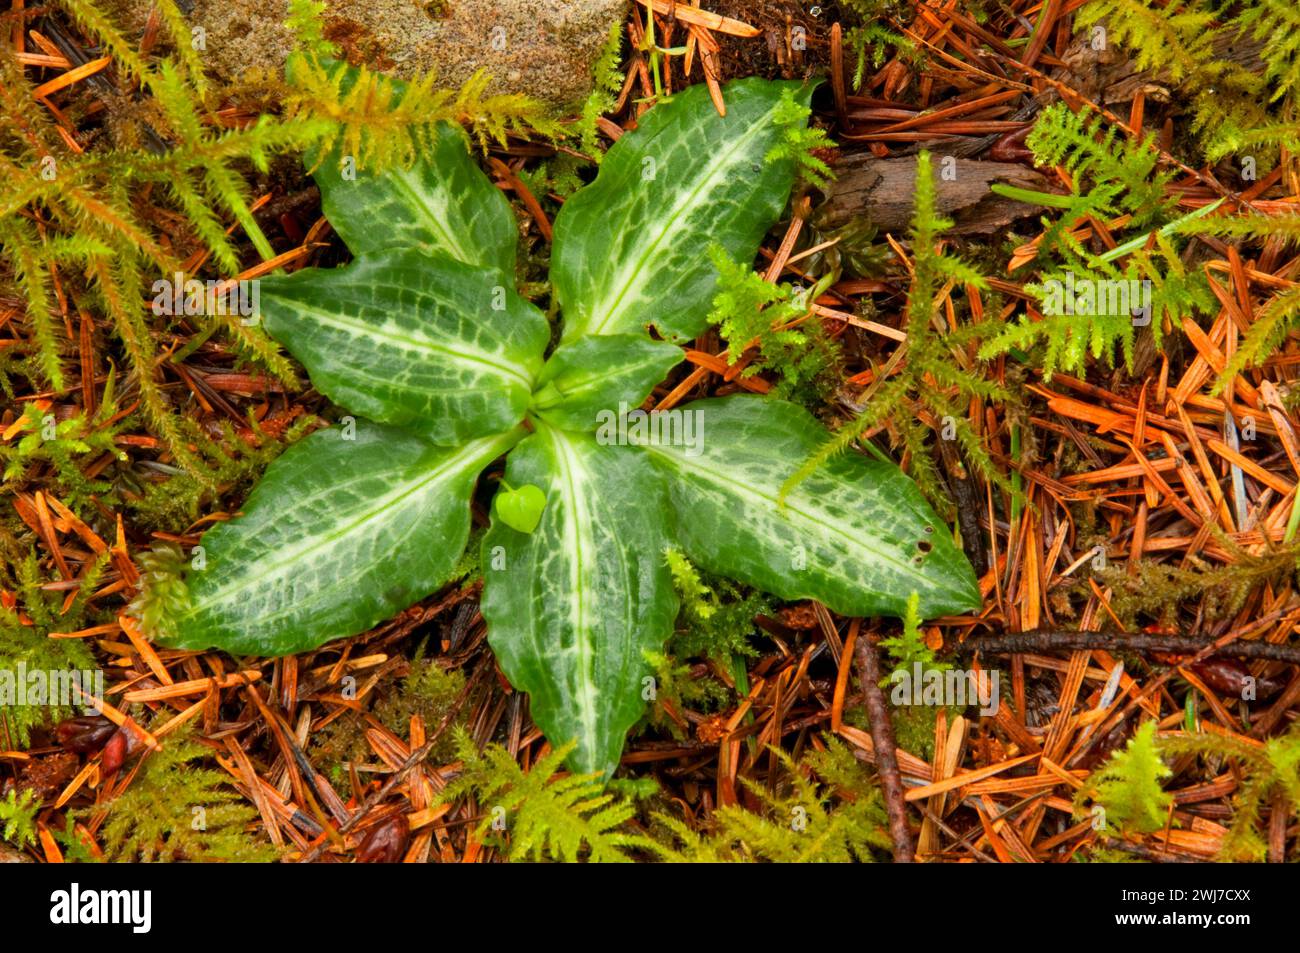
{"x":1230,"y":638}
{"x":1046,"y":640}
{"x":882,"y":736}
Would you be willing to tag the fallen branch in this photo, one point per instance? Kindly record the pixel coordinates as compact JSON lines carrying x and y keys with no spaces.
{"x":1154,"y":684}
{"x":882,"y":736}
{"x":1044,"y":640}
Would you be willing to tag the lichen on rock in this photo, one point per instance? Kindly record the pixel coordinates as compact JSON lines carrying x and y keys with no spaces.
{"x":544,"y":48}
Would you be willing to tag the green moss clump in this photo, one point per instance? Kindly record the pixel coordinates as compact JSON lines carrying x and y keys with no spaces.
{"x":427,"y":690}
{"x":25,"y":629}
{"x":176,"y":810}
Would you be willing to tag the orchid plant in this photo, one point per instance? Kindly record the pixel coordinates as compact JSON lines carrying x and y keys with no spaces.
{"x":424,"y":338}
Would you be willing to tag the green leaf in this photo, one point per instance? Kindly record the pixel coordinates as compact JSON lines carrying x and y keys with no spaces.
{"x":856,"y":534}
{"x":520,"y":509}
{"x":629,"y":249}
{"x":443,"y":203}
{"x":572,"y":607}
{"x":594,"y":375}
{"x":340,"y":534}
{"x":413,"y":339}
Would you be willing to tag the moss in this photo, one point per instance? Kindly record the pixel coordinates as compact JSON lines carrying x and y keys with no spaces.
{"x":1127,"y":788}
{"x":233,"y":463}
{"x":840,"y":819}
{"x":430,"y":691}
{"x":680,"y":686}
{"x":1156,"y":590}
{"x":717,"y":616}
{"x":175,"y":810}
{"x":427,"y":690}
{"x":18,"y":818}
{"x":914,"y":729}
{"x":24,"y":634}
{"x":57,"y":451}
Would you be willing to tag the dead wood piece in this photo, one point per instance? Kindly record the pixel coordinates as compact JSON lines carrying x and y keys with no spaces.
{"x":882,"y":190}
{"x":882,"y":737}
{"x":1046,"y":641}
{"x":1109,"y":75}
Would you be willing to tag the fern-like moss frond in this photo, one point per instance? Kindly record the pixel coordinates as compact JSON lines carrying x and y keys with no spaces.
{"x":1127,"y":788}
{"x":543,"y":814}
{"x":176,"y":810}
{"x":925,"y":376}
{"x":839,"y":820}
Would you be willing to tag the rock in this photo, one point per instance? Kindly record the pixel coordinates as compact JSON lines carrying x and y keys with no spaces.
{"x":544,"y":48}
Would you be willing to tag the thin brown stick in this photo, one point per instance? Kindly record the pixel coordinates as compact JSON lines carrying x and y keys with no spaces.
{"x":1046,"y":640}
{"x":1154,"y":685}
{"x":882,"y":736}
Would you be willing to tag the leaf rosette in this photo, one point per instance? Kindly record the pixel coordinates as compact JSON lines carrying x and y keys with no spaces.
{"x":425,"y":339}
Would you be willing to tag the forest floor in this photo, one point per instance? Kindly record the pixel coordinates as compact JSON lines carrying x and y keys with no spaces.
{"x":1132,"y":529}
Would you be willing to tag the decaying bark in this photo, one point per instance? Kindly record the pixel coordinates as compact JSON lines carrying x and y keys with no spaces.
{"x":882,"y":190}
